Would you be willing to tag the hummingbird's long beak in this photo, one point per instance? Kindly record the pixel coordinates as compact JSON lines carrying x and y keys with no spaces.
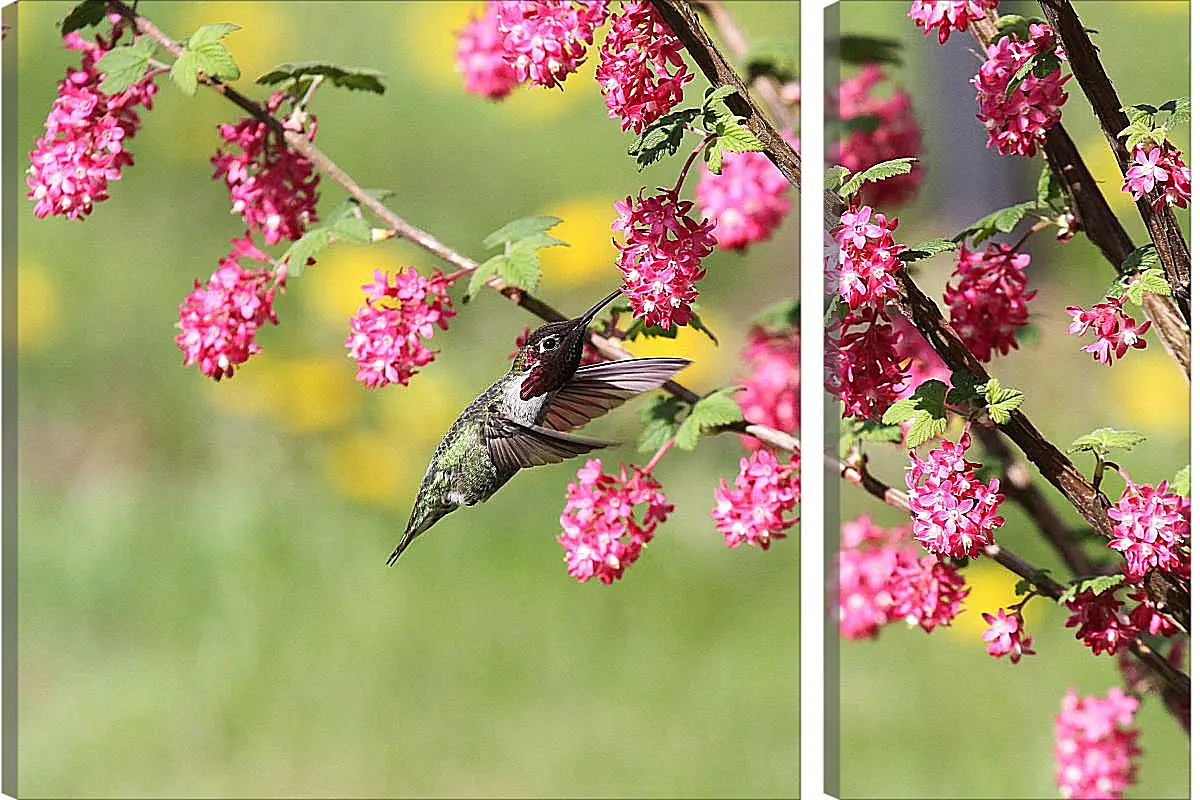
{"x":586,"y":317}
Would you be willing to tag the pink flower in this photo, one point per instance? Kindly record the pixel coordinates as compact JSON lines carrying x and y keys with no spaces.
{"x":948,"y":15}
{"x":660,"y":257}
{"x":1161,"y":169}
{"x":772,"y":395}
{"x":747,"y":201}
{"x":1103,"y":624}
{"x":1147,"y":616}
{"x":600,"y":530}
{"x":85,"y":144}
{"x":273,"y":187}
{"x":635,"y":71}
{"x":883,"y":129}
{"x":1116,"y":330}
{"x":481,"y":56}
{"x":881,"y":579}
{"x":219,"y":321}
{"x":1151,"y":526}
{"x":546,"y":40}
{"x":954,"y":514}
{"x":863,"y":364}
{"x":387,"y":331}
{"x":1093,"y":754}
{"x":866,"y":258}
{"x":752,"y":511}
{"x":1018,"y":123}
{"x":1006,"y":636}
{"x":987,"y":305}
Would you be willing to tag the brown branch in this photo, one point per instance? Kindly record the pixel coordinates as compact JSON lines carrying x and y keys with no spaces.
{"x":1174,"y":679}
{"x":609,"y":346}
{"x":1100,"y":92}
{"x":682,"y":20}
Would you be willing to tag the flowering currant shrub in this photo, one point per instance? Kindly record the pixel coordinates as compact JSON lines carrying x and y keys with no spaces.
{"x":932,"y":380}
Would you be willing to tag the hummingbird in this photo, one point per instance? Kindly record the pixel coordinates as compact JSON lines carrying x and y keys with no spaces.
{"x":524,"y":418}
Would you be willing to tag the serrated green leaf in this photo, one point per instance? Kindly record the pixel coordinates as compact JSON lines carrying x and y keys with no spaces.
{"x":1181,"y":484}
{"x":965,"y":390}
{"x":1135,"y":132}
{"x":125,"y":66}
{"x":712,"y":157}
{"x":781,"y":317}
{"x":869,"y":49}
{"x":1044,"y":63}
{"x":737,"y":138}
{"x":1001,"y":401}
{"x":1049,"y":191}
{"x":714,"y":96}
{"x":1020,"y":75}
{"x":520,"y":267}
{"x":362,"y":79}
{"x":1002,"y":220}
{"x":518,"y":229}
{"x":1012,"y":25}
{"x":354,"y":230}
{"x":714,"y":409}
{"x":1103,"y":441}
{"x":208,"y":34}
{"x":662,"y":137}
{"x":1155,"y":280}
{"x":878,"y":172}
{"x":481,"y":275}
{"x":835,"y":176}
{"x":925,"y":412}
{"x":1141,"y":258}
{"x":1099,"y":585}
{"x":84,"y":15}
{"x":658,"y":418}
{"x":183,"y":72}
{"x":854,"y":429}
{"x":926,"y":249}
{"x":216,"y":61}
{"x":1178,"y":112}
{"x":348,"y":229}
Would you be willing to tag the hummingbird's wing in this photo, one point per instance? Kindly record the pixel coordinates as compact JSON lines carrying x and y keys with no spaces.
{"x":598,"y":388}
{"x":513,"y":446}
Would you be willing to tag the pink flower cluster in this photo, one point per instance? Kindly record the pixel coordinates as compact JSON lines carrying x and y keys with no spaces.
{"x":481,"y":57}
{"x":752,"y":510}
{"x":1006,"y":636}
{"x":1147,"y":615}
{"x":85,"y":144}
{"x":1161,"y":174}
{"x":1018,"y":123}
{"x":546,"y":40}
{"x":747,"y":201}
{"x":1103,"y":623}
{"x":1094,"y":745}
{"x":636,"y":62}
{"x":987,"y":304}
{"x":882,"y":579}
{"x":219,"y":321}
{"x":892,"y":133}
{"x":866,"y":258}
{"x":863,"y":363}
{"x":948,"y":15}
{"x":772,"y":395}
{"x":1151,"y":526}
{"x":954,"y":513}
{"x":386,"y":332}
{"x":600,"y":531}
{"x":1116,"y":330}
{"x":273,"y":187}
{"x":660,"y":257}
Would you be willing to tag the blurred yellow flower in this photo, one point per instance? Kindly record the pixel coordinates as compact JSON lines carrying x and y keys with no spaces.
{"x":302,"y":395}
{"x":369,"y":466}
{"x":37,"y":306}
{"x":429,"y":31}
{"x":991,"y":588}
{"x":587,"y":227}
{"x":690,"y":343}
{"x":333,"y":288}
{"x":1152,"y":392}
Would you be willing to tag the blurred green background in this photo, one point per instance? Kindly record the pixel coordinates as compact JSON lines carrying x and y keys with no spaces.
{"x":945,"y":718}
{"x":203,"y":604}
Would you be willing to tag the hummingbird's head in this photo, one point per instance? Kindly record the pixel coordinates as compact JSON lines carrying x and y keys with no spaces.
{"x":552,"y":352}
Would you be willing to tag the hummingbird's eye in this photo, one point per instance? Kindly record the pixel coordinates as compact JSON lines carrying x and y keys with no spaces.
{"x":548,"y":344}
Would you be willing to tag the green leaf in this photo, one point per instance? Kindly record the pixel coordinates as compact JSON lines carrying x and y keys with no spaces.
{"x":855,"y":429}
{"x":1049,"y":191}
{"x":1002,"y":220}
{"x":1001,"y":401}
{"x":965,"y":390}
{"x":714,"y":96}
{"x":925,"y":411}
{"x":1153,"y":281}
{"x":698,"y":324}
{"x":1141,"y":258}
{"x":359,"y":79}
{"x":1103,"y":441}
{"x":881,"y":171}
{"x":216,"y":61}
{"x":520,"y":267}
{"x":835,"y":176}
{"x":1044,"y":63}
{"x":775,"y":58}
{"x":639,"y":328}
{"x":864,"y":123}
{"x":1027,"y":585}
{"x":782,"y":317}
{"x":349,"y":229}
{"x":658,"y":418}
{"x":84,"y":15}
{"x":1012,"y":25}
{"x":1098,"y":585}
{"x":183,"y":72}
{"x":210,"y":34}
{"x":481,"y":274}
{"x":869,"y":49}
{"x":714,"y":409}
{"x":125,"y":66}
{"x":712,"y":157}
{"x":1181,"y":484}
{"x":662,"y":137}
{"x":519,"y":229}
{"x":1021,"y":74}
{"x":1178,"y":112}
{"x":737,"y":138}
{"x":927,"y":249}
